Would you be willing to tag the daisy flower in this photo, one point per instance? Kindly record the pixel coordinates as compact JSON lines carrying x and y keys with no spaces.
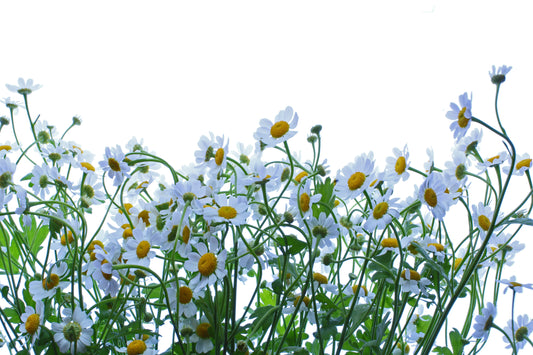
{"x":138,"y":347}
{"x":12,"y":104}
{"x":41,"y":180}
{"x":302,"y":199}
{"x":324,"y":228}
{"x":184,"y":296}
{"x":398,"y":165}
{"x":7,"y":170}
{"x":361,"y":292}
{"x":498,"y":76}
{"x":209,"y":265}
{"x":411,"y":281}
{"x":515,"y":286}
{"x":74,"y":332}
{"x":509,"y":250}
{"x":25,"y":87}
{"x":482,"y":216}
{"x":456,"y":169}
{"x":522,"y":328}
{"x":139,"y":248}
{"x":523,"y":163}
{"x":469,"y":143}
{"x":201,"y":336}
{"x":33,"y":320}
{"x":433,"y":194}
{"x":382,"y":211}
{"x":273,"y":133}
{"x":228,"y":209}
{"x":44,"y":131}
{"x":460,"y":115}
{"x":355,"y":178}
{"x":493,"y":161}
{"x":243,"y":153}
{"x":8,"y":148}
{"x":114,"y":164}
{"x":50,"y":282}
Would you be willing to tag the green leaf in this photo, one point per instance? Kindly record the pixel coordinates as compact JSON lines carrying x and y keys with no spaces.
{"x":526,"y":221}
{"x":359,"y":314}
{"x":326,"y":301}
{"x":9,"y":262}
{"x":264,"y":316}
{"x":441,"y":350}
{"x":277,"y":286}
{"x":458,"y":343}
{"x":267,"y":298}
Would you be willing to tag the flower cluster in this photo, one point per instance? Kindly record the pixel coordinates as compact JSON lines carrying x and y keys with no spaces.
{"x":238,"y":253}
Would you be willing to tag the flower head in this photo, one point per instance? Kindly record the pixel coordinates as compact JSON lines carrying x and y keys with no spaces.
{"x":498,"y":76}
{"x":32,"y":320}
{"x":522,"y":328}
{"x":433,"y":194}
{"x":74,"y":332}
{"x":273,"y":133}
{"x":460,"y":115}
{"x":24,"y":87}
{"x":484,"y":322}
{"x":514,"y":285}
{"x":114,"y":164}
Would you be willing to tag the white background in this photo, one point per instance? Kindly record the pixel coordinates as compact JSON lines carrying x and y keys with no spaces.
{"x":376,"y":75}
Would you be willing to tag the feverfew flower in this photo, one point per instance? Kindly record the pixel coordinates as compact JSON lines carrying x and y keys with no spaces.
{"x":74,"y":332}
{"x":411,"y":281}
{"x":302,"y":199}
{"x":50,"y":282}
{"x":498,"y":76}
{"x":515,"y":286}
{"x":522,"y":164}
{"x":273,"y":133}
{"x":232,"y":209}
{"x":325,"y":229}
{"x":32,"y":321}
{"x":7,"y":170}
{"x":398,"y":165}
{"x":482,"y":216}
{"x":209,"y":264}
{"x":433,"y":194}
{"x":522,"y":328}
{"x":24,"y":87}
{"x":383,"y":211}
{"x":355,"y":178}
{"x":139,"y":249}
{"x":495,"y":160}
{"x":114,"y":164}
{"x":484,"y":322}
{"x":461,"y":116}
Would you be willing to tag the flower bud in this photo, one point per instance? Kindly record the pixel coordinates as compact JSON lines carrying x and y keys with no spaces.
{"x":76,"y":121}
{"x":316,"y":129}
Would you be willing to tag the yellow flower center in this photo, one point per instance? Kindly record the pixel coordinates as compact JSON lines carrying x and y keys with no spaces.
{"x":88,"y":166}
{"x":321,"y":279}
{"x":306,"y":300}
{"x":300,"y":176}
{"x":94,"y":243}
{"x":207,"y":264}
{"x":143,"y":248}
{"x":526,"y":163}
{"x":431,"y":197}
{"x":484,"y":222}
{"x":356,"y":180}
{"x":456,"y":263}
{"x":227,"y":212}
{"x":145,"y":216}
{"x":104,"y":274}
{"x":136,"y":347}
{"x":389,"y":243}
{"x":185,"y":295}
{"x":355,"y":289}
{"x":186,"y":234}
{"x":219,"y":156}
{"x":279,"y":129}
{"x":462,"y":120}
{"x":5,"y":147}
{"x":521,"y":333}
{"x":202,"y":330}
{"x":113,"y":164}
{"x":380,"y":209}
{"x":304,"y":202}
{"x":439,"y":247}
{"x":400,"y":165}
{"x":127,"y":207}
{"x":128,"y":232}
{"x":72,"y":331}
{"x":413,"y":275}
{"x":50,"y":282}
{"x":515,"y":284}
{"x":491,"y":160}
{"x":68,"y":237}
{"x":32,"y":323}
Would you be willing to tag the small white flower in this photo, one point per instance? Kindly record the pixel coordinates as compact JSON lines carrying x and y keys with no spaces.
{"x":74,"y":332}
{"x":273,"y":133}
{"x":24,"y":87}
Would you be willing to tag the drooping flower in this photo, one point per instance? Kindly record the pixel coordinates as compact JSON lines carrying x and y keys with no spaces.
{"x":498,"y":76}
{"x":514,"y":285}
{"x":484,"y":322}
{"x":522,"y":328}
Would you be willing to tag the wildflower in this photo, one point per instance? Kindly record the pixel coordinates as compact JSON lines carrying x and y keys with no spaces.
{"x":138,"y":346}
{"x":24,"y":87}
{"x":398,"y":165}
{"x":498,"y":76}
{"x":456,"y":169}
{"x":433,"y":194}
{"x":209,"y":264}
{"x":302,"y":199}
{"x":361,"y":292}
{"x":75,"y":332}
{"x":495,"y":160}
{"x":522,"y":328}
{"x":50,"y":283}
{"x":201,"y":336}
{"x":515,"y":286}
{"x":114,"y":164}
{"x":382,"y":212}
{"x":273,"y":133}
{"x":33,"y":320}
{"x":139,"y":248}
{"x":355,"y":177}
{"x":11,"y":104}
{"x":468,"y":144}
{"x":411,"y":281}
{"x":228,"y":209}
{"x":7,"y":170}
{"x":522,"y":164}
{"x":461,"y":116}
{"x":243,"y":153}
{"x":324,"y":228}
{"x":184,"y":296}
{"x":503,"y":249}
